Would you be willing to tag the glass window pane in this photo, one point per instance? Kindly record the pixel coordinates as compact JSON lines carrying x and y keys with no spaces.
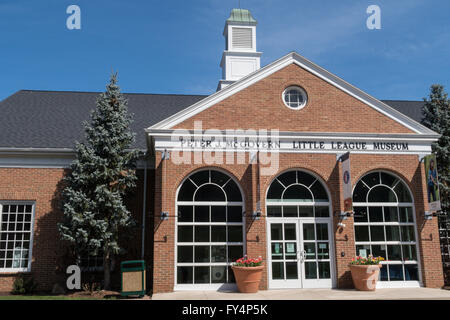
{"x":276,"y":231}
{"x":363,"y":250}
{"x":201,"y":233}
{"x":201,"y":274}
{"x":384,"y":273}
{"x":361,"y":233}
{"x":235,"y":214}
{"x":402,"y":193}
{"x":275,"y":190}
{"x":209,"y":192}
{"x":219,"y":178}
{"x":377,"y":233}
{"x":277,"y":251}
{"x":185,"y":253}
{"x":321,"y":231}
{"x":232,"y":191}
{"x":185,"y":234}
{"x":306,"y":211}
{"x":379,"y":251}
{"x":218,"y":213}
{"x":310,"y":249}
{"x":297,"y":193}
{"x":186,"y":192}
{"x":288,"y":178}
{"x":323,"y":250}
{"x":390,"y":214}
{"x":200,"y":177}
{"x":201,"y":253}
{"x":322,"y":212}
{"x":184,"y":275}
{"x":201,"y":213}
{"x":406,"y":214}
{"x":305,"y":178}
{"x":291,"y":270}
{"x":360,"y":192}
{"x":235,"y":234}
{"x":388,"y":179}
{"x":408,"y":233}
{"x":274,"y":211}
{"x":395,"y":272}
{"x":310,"y":270}
{"x":290,"y":211}
{"x":372,"y":179}
{"x":218,"y":234}
{"x":324,"y":270}
{"x":376,"y":214}
{"x":234,"y":253}
{"x":394,"y":252}
{"x":290,"y":231}
{"x":219,"y":274}
{"x":409,"y":253}
{"x":218,"y":254}
{"x":230,"y":273}
{"x":392,"y":233}
{"x":308,"y":231}
{"x":382,"y":194}
{"x":320,"y":195}
{"x":290,"y":250}
{"x":277,"y":271}
{"x":360,"y":214}
{"x":411,"y":272}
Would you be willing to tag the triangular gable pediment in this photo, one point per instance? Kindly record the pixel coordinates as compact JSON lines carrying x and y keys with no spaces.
{"x":390,"y":119}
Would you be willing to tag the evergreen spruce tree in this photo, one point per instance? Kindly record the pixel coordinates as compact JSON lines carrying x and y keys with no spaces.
{"x":101,"y":175}
{"x":436,"y":116}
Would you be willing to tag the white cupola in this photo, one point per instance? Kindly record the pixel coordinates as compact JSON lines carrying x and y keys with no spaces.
{"x":240,"y":57}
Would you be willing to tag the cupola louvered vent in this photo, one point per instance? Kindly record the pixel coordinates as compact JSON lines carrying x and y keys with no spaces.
{"x":242,"y":38}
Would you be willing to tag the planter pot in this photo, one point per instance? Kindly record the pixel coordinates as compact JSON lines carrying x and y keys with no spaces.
{"x":365,"y":277}
{"x":247,"y":278}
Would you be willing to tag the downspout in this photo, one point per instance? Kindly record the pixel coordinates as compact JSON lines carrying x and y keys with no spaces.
{"x":144,"y":204}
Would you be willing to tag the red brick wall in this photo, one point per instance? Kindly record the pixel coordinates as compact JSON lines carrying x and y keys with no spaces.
{"x":169,"y":176}
{"x":260,"y":106}
{"x":43,"y":186}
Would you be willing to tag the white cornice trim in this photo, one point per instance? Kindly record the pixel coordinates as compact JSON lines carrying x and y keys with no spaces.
{"x":266,"y":71}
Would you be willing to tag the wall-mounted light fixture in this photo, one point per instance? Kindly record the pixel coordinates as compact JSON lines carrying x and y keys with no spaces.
{"x":429,"y":215}
{"x":164,"y":215}
{"x":256,"y":215}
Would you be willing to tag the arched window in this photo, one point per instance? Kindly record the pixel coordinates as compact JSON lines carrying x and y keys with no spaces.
{"x":384,"y":225}
{"x":210,"y":232}
{"x":297,"y":194}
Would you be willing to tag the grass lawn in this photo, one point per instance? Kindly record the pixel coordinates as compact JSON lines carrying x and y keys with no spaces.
{"x":18,"y":297}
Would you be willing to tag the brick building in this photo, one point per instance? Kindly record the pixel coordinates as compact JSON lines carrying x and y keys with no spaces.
{"x":254,"y":168}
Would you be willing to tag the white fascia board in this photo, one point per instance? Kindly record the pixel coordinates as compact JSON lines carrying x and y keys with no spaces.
{"x":279,"y":64}
{"x":167,"y":133}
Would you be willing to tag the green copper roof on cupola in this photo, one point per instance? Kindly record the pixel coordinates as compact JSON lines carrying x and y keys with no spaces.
{"x":241,"y":15}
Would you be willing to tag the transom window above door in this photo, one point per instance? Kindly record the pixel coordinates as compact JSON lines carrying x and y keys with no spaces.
{"x":297,"y":194}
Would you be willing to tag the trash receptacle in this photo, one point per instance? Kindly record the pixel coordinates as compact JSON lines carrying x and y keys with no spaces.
{"x":133,"y":278}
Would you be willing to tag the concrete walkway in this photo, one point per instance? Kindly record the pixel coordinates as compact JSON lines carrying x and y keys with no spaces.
{"x":311,"y":294}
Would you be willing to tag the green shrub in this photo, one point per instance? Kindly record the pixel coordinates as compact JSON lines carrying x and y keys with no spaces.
{"x":24,"y":285}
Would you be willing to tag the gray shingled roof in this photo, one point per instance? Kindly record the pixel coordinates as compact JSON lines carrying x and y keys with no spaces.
{"x":52,"y":119}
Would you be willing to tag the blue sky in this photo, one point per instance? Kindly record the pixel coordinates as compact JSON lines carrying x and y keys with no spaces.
{"x":175,"y":46}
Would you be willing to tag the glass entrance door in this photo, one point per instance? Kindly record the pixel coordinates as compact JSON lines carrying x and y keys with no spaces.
{"x":300,"y":254}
